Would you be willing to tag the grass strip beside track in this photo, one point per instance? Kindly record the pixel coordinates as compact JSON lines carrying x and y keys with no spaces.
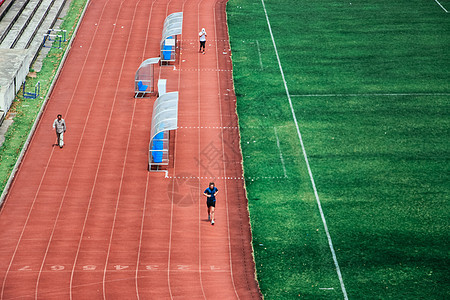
{"x":379,"y":152}
{"x":26,"y":110}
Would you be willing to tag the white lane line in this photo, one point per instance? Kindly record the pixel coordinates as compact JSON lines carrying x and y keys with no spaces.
{"x":279,"y":150}
{"x":199,"y":120}
{"x":41,"y":269}
{"x":369,"y":94}
{"x":441,"y":6}
{"x":130,"y":129}
{"x":208,"y":127}
{"x":83,"y":229}
{"x":259,"y":53}
{"x":146,"y":184}
{"x":224,"y":166}
{"x":330,"y":243}
{"x":144,"y":208}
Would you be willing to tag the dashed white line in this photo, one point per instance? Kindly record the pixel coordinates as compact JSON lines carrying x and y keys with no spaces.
{"x":208,"y":127}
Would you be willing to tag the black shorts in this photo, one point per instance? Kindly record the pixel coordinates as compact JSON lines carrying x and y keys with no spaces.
{"x":210,"y":203}
{"x":202,"y":44}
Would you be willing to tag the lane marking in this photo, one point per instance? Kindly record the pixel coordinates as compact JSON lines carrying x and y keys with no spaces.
{"x":441,"y":6}
{"x":148,"y":174}
{"x":199,"y":82}
{"x":225,"y":178}
{"x":204,"y":70}
{"x":224,"y":159}
{"x":208,"y":127}
{"x":173,"y":184}
{"x":122,"y":175}
{"x":74,"y":160}
{"x":279,"y":150}
{"x":371,"y":94}
{"x":100,"y":158}
{"x":330,"y":243}
{"x":45,"y":170}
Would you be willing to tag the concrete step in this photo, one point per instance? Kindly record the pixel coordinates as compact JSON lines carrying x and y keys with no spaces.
{"x":21,"y":24}
{"x":4,"y":7}
{"x":10,"y":17}
{"x":39,"y":24}
{"x":47,"y":24}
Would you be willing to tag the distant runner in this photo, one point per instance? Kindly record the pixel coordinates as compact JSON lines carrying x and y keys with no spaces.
{"x":211,"y":193}
{"x":202,"y":34}
{"x":60,"y":126}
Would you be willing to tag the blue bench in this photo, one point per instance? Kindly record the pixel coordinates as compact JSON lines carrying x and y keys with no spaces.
{"x":167,"y":50}
{"x":158,"y":144}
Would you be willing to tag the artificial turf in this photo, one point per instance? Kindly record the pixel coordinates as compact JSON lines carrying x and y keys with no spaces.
{"x":26,"y":110}
{"x":376,"y":140}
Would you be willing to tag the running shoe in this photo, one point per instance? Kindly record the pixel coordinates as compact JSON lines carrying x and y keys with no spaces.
{"x":212,"y":222}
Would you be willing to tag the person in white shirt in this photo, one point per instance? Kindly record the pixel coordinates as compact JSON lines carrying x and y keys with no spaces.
{"x":60,"y":126}
{"x":202,"y":34}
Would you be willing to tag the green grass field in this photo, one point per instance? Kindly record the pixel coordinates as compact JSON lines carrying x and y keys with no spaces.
{"x":27,"y":109}
{"x":370,"y":86}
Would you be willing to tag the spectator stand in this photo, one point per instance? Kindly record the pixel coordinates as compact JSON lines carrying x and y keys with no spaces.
{"x":164,"y":120}
{"x":173,"y":26}
{"x":145,"y":77}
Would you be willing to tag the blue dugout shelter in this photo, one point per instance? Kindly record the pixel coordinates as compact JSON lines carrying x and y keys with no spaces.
{"x":173,"y":26}
{"x":164,"y":119}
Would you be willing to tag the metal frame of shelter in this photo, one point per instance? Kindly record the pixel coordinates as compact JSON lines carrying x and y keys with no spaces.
{"x":164,"y":119}
{"x":173,"y":26}
{"x":144,"y":80}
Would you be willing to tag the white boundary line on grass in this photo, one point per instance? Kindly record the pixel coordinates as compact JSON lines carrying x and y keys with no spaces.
{"x":369,"y":94}
{"x":441,"y":6}
{"x":330,"y":243}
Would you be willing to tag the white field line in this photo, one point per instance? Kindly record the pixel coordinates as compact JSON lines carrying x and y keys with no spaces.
{"x":374,"y":94}
{"x":279,"y":150}
{"x":330,"y":243}
{"x":259,"y":53}
{"x":441,"y":6}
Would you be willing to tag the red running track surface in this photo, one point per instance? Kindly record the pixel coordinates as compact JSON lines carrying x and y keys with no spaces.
{"x":89,"y":221}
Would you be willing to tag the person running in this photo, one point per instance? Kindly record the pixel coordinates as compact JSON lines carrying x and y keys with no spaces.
{"x":202,"y":34}
{"x":211,"y":193}
{"x":60,"y":126}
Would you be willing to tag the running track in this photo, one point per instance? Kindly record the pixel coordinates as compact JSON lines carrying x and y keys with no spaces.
{"x":88,"y":221}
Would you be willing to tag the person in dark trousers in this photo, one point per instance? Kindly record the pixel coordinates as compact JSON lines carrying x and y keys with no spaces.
{"x":202,"y":34}
{"x":60,"y":126}
{"x":211,"y":193}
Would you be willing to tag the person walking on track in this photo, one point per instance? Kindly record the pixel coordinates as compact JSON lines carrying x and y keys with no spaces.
{"x":60,"y":126}
{"x":202,"y":34}
{"x":211,"y":193}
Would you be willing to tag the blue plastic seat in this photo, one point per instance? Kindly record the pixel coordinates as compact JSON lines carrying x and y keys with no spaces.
{"x":167,"y":50}
{"x":142,"y":87}
{"x":158,"y":145}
